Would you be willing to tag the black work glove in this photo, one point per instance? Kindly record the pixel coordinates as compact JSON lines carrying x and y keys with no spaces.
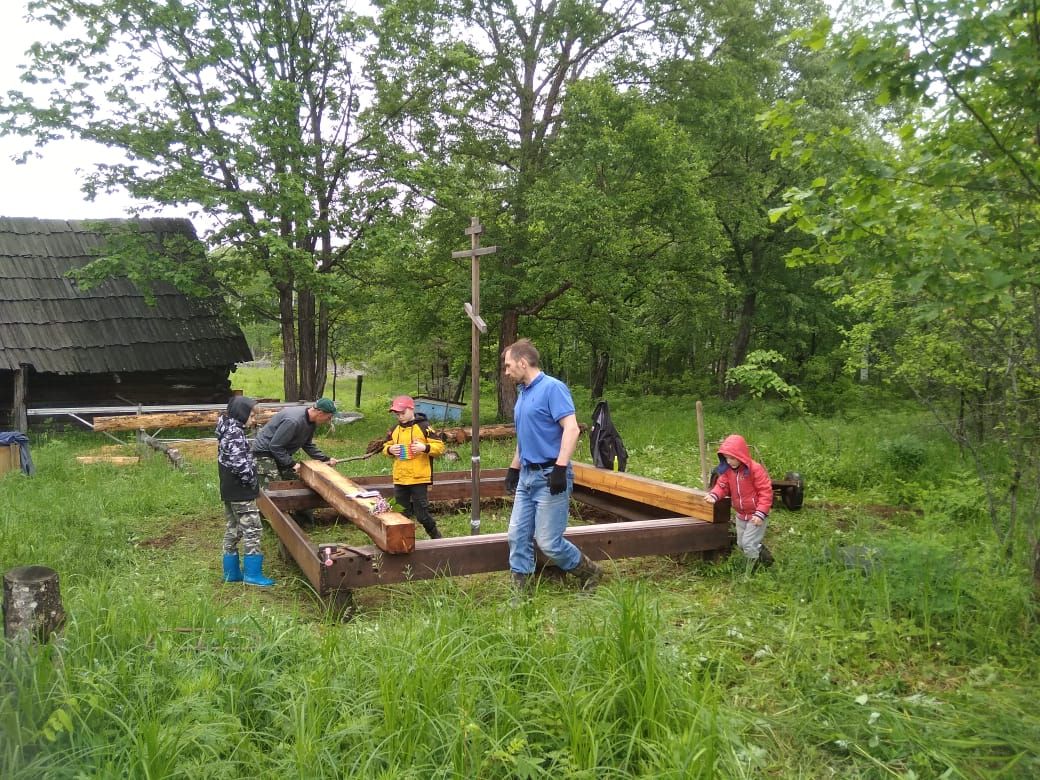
{"x":512,"y":480}
{"x":558,"y":480}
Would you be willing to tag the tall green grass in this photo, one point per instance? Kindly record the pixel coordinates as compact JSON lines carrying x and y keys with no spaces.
{"x":894,"y":638}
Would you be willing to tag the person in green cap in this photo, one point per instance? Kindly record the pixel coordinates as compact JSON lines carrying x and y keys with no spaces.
{"x":290,"y":430}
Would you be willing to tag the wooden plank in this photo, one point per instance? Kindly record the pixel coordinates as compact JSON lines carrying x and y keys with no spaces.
{"x":621,"y":508}
{"x":478,"y":252}
{"x":204,"y":419}
{"x":678,"y":500}
{"x":114,"y":460}
{"x":391,"y":531}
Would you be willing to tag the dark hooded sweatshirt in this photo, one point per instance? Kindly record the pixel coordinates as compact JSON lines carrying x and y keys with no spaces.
{"x":235,"y":464}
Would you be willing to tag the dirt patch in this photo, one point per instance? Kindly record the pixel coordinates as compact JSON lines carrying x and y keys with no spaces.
{"x":163,"y":542}
{"x":189,"y":533}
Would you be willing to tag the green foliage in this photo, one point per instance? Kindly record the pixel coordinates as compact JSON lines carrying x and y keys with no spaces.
{"x":904,"y":455}
{"x":933,"y":222}
{"x":756,"y":376}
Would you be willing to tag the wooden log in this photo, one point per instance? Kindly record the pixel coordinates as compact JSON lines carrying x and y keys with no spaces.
{"x":682,"y":501}
{"x":392,"y":532}
{"x":32,"y":603}
{"x":451,"y":435}
{"x":131,"y":422}
{"x":462,"y":435}
{"x":115,"y":460}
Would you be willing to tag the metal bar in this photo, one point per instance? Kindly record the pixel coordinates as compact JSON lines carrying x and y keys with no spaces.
{"x":294,"y":499}
{"x":447,"y":485}
{"x":99,"y":410}
{"x":295,"y":540}
{"x":90,"y":426}
{"x":464,"y":555}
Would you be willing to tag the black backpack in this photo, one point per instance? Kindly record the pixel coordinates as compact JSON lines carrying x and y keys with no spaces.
{"x":608,"y":451}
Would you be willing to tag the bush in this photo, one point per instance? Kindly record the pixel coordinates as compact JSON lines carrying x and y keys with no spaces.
{"x":905,"y":454}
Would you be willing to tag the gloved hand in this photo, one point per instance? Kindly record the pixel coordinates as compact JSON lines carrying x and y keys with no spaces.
{"x":512,"y":480}
{"x":558,"y":480}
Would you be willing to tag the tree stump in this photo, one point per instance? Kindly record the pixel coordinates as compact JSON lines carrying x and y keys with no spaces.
{"x":32,"y":603}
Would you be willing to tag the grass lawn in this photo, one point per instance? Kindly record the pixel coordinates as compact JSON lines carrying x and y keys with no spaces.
{"x":919,"y":665}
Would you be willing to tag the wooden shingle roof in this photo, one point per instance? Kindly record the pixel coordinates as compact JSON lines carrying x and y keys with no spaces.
{"x":48,"y":323}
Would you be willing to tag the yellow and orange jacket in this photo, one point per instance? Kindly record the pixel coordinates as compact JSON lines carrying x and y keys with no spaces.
{"x":417,"y":469}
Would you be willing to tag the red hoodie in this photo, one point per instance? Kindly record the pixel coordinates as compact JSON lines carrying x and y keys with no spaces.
{"x":749,"y":487}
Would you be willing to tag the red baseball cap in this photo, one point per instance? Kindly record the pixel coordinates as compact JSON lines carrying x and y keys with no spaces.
{"x":402,"y":402}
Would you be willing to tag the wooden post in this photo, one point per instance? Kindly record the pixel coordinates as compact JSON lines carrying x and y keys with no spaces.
{"x":19,"y":414}
{"x":357,"y":392}
{"x":700,"y":445}
{"x":32,"y":603}
{"x":479,"y":326}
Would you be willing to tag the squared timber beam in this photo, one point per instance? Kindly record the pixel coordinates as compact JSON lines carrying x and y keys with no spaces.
{"x":678,"y":500}
{"x":392,"y":532}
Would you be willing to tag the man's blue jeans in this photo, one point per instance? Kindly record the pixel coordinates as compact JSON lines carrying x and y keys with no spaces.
{"x":541,"y":518}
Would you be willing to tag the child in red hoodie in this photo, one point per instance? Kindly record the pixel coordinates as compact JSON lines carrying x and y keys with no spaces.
{"x":750,"y":490}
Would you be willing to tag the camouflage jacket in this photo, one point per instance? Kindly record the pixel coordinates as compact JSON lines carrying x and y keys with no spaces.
{"x":235,"y":464}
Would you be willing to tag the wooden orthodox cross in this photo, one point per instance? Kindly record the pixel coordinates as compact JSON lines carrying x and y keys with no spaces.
{"x":478,"y":326}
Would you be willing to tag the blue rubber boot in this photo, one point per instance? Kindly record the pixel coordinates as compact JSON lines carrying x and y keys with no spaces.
{"x":253,"y":574}
{"x":232,"y":570}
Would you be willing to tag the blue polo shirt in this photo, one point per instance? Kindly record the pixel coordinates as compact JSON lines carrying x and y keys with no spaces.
{"x":539,"y":408}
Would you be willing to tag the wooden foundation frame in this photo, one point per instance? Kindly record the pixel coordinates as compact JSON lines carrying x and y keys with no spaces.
{"x":657,"y":518}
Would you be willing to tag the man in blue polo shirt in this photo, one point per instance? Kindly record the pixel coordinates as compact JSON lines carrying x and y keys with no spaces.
{"x":540,"y":474}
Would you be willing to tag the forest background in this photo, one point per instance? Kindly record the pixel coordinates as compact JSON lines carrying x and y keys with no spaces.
{"x":720,"y":199}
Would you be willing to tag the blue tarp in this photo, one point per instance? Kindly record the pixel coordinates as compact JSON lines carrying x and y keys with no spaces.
{"x":19,"y":438}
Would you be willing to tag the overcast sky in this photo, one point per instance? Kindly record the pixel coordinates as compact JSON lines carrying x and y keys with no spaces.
{"x":48,"y":187}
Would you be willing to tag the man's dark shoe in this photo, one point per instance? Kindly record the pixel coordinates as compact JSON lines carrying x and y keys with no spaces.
{"x":588,"y":573}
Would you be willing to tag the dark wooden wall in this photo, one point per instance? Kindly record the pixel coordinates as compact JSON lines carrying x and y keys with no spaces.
{"x":190,"y":386}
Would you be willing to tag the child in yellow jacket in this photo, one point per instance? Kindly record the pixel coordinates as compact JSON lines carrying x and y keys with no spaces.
{"x":412,"y":449}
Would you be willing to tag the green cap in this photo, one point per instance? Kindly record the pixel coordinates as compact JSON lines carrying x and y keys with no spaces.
{"x":325,"y":405}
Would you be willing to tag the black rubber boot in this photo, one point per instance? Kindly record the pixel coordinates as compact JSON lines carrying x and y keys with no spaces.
{"x":765,"y":558}
{"x":521,"y":586}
